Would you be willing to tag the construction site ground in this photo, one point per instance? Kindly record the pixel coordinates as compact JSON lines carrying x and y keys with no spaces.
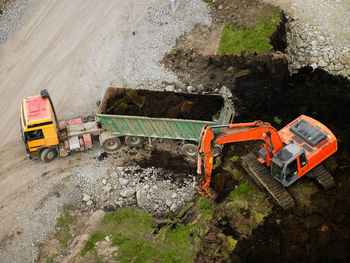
{"x":74,"y":57}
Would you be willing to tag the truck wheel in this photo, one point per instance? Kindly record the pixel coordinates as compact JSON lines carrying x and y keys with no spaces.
{"x":44,"y":93}
{"x":112,"y":144}
{"x":48,"y":154}
{"x":133,"y":141}
{"x":190,"y":150}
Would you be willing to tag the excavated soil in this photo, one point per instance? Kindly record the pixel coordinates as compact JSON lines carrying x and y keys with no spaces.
{"x":164,"y":105}
{"x":318,"y":228}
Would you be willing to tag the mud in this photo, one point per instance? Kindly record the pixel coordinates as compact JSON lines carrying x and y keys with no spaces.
{"x":164,"y":105}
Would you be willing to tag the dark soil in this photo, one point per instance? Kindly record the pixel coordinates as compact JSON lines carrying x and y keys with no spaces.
{"x":158,"y":104}
{"x":262,"y":89}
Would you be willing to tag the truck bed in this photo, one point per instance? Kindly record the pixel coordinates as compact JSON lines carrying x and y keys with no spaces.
{"x":160,"y":114}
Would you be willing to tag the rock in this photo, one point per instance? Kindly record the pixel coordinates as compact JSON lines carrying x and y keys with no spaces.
{"x":104,"y":181}
{"x":123,"y":181}
{"x":299,"y":43}
{"x":321,"y":40}
{"x":338,"y":67}
{"x":107,"y":188}
{"x":141,"y":199}
{"x":325,"y":57}
{"x":226,"y":91}
{"x":89,"y":202}
{"x":314,"y":66}
{"x":170,"y":88}
{"x":119,"y":203}
{"x":168,"y":202}
{"x":313,"y":60}
{"x":107,"y":238}
{"x":127,"y":192}
{"x":190,"y":89}
{"x":200,"y":88}
{"x":331,"y":67}
{"x":322,"y":63}
{"x":174,"y":195}
{"x":173,"y":207}
{"x":86,"y":197}
{"x":146,"y":187}
{"x":220,"y":7}
{"x":314,"y":53}
{"x":344,"y":58}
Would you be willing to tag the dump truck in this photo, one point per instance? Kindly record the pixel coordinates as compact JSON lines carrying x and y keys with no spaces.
{"x":124,"y":115}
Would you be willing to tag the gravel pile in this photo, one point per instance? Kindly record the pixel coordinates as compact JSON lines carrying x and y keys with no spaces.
{"x":12,"y":17}
{"x":152,"y":189}
{"x":155,"y":36}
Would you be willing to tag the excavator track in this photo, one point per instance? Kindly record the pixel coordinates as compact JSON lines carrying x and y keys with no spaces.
{"x":261,"y":175}
{"x":323,"y":177}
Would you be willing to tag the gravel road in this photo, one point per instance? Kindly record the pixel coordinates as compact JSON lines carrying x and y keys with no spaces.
{"x":75,"y":49}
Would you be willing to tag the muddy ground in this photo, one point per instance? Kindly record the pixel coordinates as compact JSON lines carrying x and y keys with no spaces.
{"x":164,"y":104}
{"x":318,"y":229}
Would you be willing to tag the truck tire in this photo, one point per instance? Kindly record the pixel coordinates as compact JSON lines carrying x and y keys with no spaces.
{"x":48,"y":154}
{"x":133,"y":141}
{"x":189,"y":149}
{"x":44,"y":93}
{"x":112,"y":144}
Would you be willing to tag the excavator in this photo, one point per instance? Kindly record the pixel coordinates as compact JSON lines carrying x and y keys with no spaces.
{"x":296,"y":150}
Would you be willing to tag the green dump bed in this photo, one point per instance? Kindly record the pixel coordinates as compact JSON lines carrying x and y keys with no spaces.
{"x":160,"y":127}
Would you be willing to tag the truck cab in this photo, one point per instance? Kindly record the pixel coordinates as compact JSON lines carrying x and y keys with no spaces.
{"x":39,"y":127}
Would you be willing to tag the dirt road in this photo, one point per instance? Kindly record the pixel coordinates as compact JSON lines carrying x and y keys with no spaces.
{"x":67,"y":47}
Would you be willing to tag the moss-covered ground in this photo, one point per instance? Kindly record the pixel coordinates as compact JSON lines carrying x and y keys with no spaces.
{"x":236,"y":39}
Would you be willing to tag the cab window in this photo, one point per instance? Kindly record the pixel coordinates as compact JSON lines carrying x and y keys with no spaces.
{"x":292,"y":170}
{"x":302,"y":159}
{"x":34,"y":135}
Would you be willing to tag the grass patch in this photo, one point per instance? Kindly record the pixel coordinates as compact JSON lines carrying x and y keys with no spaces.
{"x":232,"y":244}
{"x":234,"y":158}
{"x":277,"y":120}
{"x":62,"y":233}
{"x":184,"y":210}
{"x":131,"y":230}
{"x":205,"y":209}
{"x":243,"y":191}
{"x":235,"y":39}
{"x":217,"y":163}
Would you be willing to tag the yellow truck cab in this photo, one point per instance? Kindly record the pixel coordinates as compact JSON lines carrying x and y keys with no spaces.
{"x":39,"y":127}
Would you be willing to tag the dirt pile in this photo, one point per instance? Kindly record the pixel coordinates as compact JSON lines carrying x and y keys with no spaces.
{"x":163,"y":104}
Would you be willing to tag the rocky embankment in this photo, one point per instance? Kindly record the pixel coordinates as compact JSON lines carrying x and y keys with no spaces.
{"x":309,"y":47}
{"x":317,"y":34}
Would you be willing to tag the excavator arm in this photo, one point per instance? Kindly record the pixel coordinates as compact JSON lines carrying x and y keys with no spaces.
{"x":211,"y":136}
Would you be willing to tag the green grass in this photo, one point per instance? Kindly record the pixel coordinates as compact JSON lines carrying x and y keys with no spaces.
{"x":205,"y":209}
{"x":235,"y":39}
{"x":277,"y":120}
{"x":131,"y":230}
{"x":62,"y":233}
{"x":217,"y":163}
{"x":243,"y":191}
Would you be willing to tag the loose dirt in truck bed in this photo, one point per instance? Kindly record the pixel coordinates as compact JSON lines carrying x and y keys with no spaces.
{"x":164,"y":105}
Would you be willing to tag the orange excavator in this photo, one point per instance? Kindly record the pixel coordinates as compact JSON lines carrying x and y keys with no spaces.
{"x":297,"y":149}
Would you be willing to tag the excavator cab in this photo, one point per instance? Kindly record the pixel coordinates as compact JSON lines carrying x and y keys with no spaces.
{"x":284,"y":164}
